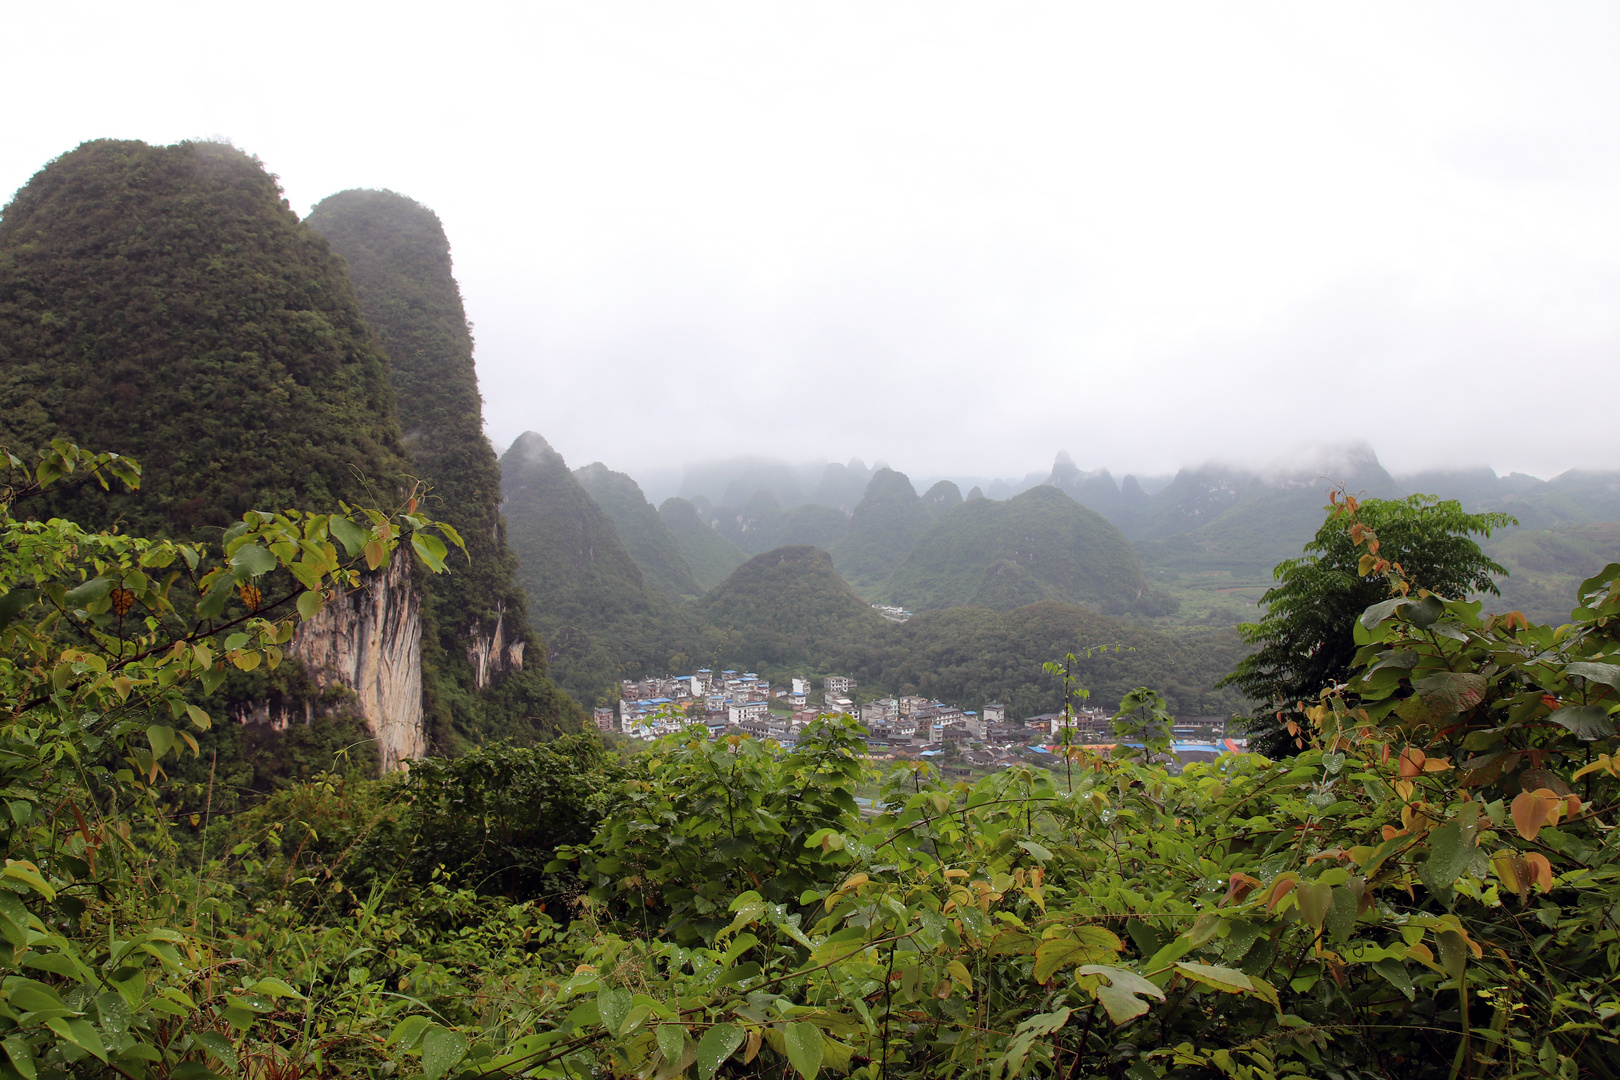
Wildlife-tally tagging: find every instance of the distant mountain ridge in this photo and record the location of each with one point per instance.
(1035, 546)
(645, 536)
(601, 619)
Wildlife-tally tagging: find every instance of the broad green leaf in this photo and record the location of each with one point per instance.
(15, 603)
(219, 1046)
(92, 590)
(1395, 973)
(58, 963)
(114, 1012)
(201, 719)
(430, 548)
(716, 1047)
(252, 560)
(1588, 722)
(1089, 945)
(308, 574)
(275, 988)
(309, 604)
(80, 1033)
(408, 1031)
(804, 1048)
(1607, 674)
(1315, 899)
(671, 1040)
(161, 736)
(1225, 979)
(1341, 916)
(351, 536)
(1037, 852)
(1122, 996)
(27, 873)
(441, 1049)
(613, 1006)
(1379, 612)
(22, 1058)
(1424, 612)
(1447, 693)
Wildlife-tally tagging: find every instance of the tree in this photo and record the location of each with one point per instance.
(1305, 640)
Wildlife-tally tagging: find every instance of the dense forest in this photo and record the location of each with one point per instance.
(1424, 888)
(163, 301)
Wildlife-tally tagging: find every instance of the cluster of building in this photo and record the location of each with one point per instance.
(740, 702)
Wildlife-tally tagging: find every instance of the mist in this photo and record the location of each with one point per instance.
(957, 238)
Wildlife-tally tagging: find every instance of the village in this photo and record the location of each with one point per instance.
(731, 702)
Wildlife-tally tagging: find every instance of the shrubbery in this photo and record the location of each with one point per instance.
(1428, 888)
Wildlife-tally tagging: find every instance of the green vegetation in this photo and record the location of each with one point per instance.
(601, 620)
(399, 260)
(1426, 890)
(710, 555)
(1065, 551)
(642, 532)
(889, 519)
(818, 526)
(1306, 639)
(969, 656)
(1545, 565)
(789, 607)
(940, 498)
(163, 302)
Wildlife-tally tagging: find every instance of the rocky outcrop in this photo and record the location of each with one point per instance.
(490, 654)
(369, 642)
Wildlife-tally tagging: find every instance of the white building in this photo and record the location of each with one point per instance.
(837, 684)
(748, 711)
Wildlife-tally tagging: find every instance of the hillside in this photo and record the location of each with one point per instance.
(163, 301)
(818, 526)
(709, 555)
(642, 532)
(940, 498)
(1545, 566)
(753, 525)
(1038, 545)
(587, 596)
(484, 676)
(970, 656)
(790, 607)
(889, 519)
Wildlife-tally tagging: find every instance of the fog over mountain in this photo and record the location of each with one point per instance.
(954, 238)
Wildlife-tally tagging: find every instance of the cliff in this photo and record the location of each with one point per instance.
(474, 619)
(370, 642)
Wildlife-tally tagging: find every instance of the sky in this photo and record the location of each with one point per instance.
(954, 237)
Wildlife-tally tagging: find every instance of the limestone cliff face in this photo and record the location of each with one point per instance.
(370, 642)
(490, 653)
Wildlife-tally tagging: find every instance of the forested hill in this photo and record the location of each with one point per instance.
(790, 607)
(889, 519)
(483, 674)
(642, 532)
(1038, 545)
(600, 618)
(163, 301)
(710, 555)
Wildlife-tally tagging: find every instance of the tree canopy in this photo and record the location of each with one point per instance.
(1305, 640)
(164, 302)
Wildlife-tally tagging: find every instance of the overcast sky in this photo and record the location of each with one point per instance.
(955, 237)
